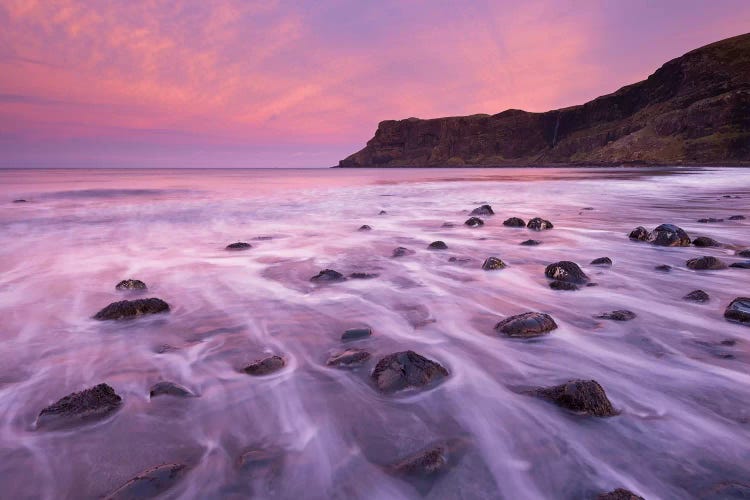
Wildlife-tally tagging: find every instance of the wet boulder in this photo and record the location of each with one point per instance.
(493, 263)
(128, 309)
(696, 296)
(407, 369)
(90, 404)
(531, 243)
(130, 284)
(364, 227)
(567, 271)
(639, 234)
(328, 276)
(619, 494)
(704, 263)
(348, 358)
(150, 483)
(741, 265)
(514, 222)
(437, 245)
(737, 217)
(563, 286)
(581, 396)
(738, 311)
(240, 245)
(664, 268)
(539, 224)
(401, 252)
(483, 210)
(165, 388)
(705, 241)
(356, 333)
(526, 325)
(474, 222)
(265, 366)
(602, 261)
(669, 235)
(619, 315)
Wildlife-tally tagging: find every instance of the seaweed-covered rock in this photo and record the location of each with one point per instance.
(356, 333)
(697, 296)
(328, 276)
(669, 235)
(240, 245)
(437, 245)
(483, 210)
(563, 286)
(265, 366)
(165, 388)
(539, 224)
(639, 234)
(364, 227)
(128, 309)
(514, 222)
(619, 315)
(619, 494)
(705, 241)
(348, 358)
(738, 311)
(87, 405)
(531, 243)
(567, 271)
(582, 396)
(602, 261)
(401, 252)
(402, 370)
(150, 483)
(493, 263)
(706, 262)
(130, 284)
(526, 325)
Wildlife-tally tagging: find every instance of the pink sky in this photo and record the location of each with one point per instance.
(236, 83)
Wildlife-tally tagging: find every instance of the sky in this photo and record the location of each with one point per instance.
(239, 83)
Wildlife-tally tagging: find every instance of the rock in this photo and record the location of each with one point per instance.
(262, 238)
(483, 210)
(619, 494)
(705, 241)
(744, 253)
(382, 212)
(128, 309)
(348, 358)
(260, 458)
(402, 370)
(150, 483)
(539, 224)
(639, 234)
(737, 217)
(265, 366)
(563, 285)
(705, 263)
(697, 296)
(356, 333)
(448, 224)
(514, 222)
(582, 396)
(567, 271)
(710, 220)
(169, 389)
(130, 284)
(663, 268)
(526, 325)
(437, 245)
(20, 200)
(363, 276)
(401, 251)
(364, 227)
(328, 276)
(620, 315)
(741, 265)
(669, 235)
(474, 222)
(90, 404)
(493, 263)
(459, 260)
(240, 245)
(531, 243)
(738, 311)
(602, 261)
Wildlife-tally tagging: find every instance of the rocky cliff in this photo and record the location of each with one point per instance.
(693, 110)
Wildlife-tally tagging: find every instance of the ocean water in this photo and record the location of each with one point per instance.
(677, 373)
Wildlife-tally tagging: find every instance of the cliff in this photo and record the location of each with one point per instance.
(693, 110)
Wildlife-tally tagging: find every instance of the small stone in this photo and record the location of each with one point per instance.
(602, 261)
(663, 268)
(709, 220)
(382, 212)
(348, 358)
(493, 263)
(705, 241)
(705, 263)
(265, 366)
(448, 224)
(514, 222)
(483, 210)
(619, 494)
(363, 276)
(20, 200)
(474, 222)
(401, 251)
(669, 235)
(169, 389)
(364, 227)
(738, 311)
(90, 404)
(437, 245)
(697, 296)
(582, 396)
(459, 260)
(639, 234)
(402, 370)
(531, 243)
(567, 271)
(356, 333)
(620, 315)
(744, 253)
(130, 284)
(328, 276)
(262, 238)
(128, 309)
(240, 245)
(526, 325)
(741, 265)
(737, 217)
(539, 224)
(150, 483)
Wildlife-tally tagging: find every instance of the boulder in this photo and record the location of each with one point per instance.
(705, 241)
(531, 243)
(169, 389)
(619, 315)
(128, 309)
(706, 262)
(364, 227)
(639, 234)
(744, 253)
(493, 263)
(483, 210)
(738, 311)
(619, 494)
(563, 285)
(567, 271)
(474, 222)
(348, 358)
(150, 483)
(90, 404)
(539, 224)
(265, 366)
(581, 396)
(401, 251)
(130, 284)
(514, 222)
(741, 265)
(328, 276)
(240, 245)
(602, 261)
(437, 245)
(697, 296)
(526, 325)
(669, 235)
(402, 370)
(356, 333)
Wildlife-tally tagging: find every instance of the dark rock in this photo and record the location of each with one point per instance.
(705, 241)
(328, 276)
(563, 285)
(531, 243)
(459, 260)
(150, 483)
(127, 309)
(697, 296)
(265, 366)
(602, 261)
(539, 224)
(90, 404)
(710, 220)
(20, 200)
(356, 333)
(363, 276)
(741, 265)
(583, 396)
(738, 311)
(493, 263)
(437, 245)
(639, 234)
(448, 224)
(483, 210)
(514, 222)
(364, 227)
(348, 358)
(406, 369)
(619, 494)
(663, 268)
(240, 245)
(382, 212)
(526, 325)
(130, 284)
(737, 217)
(705, 263)
(169, 389)
(620, 315)
(566, 271)
(474, 222)
(401, 251)
(744, 253)
(669, 235)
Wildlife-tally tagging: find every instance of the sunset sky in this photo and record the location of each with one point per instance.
(225, 83)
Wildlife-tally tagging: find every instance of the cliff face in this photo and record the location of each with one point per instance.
(693, 110)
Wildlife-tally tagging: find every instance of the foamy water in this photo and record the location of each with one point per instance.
(684, 422)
